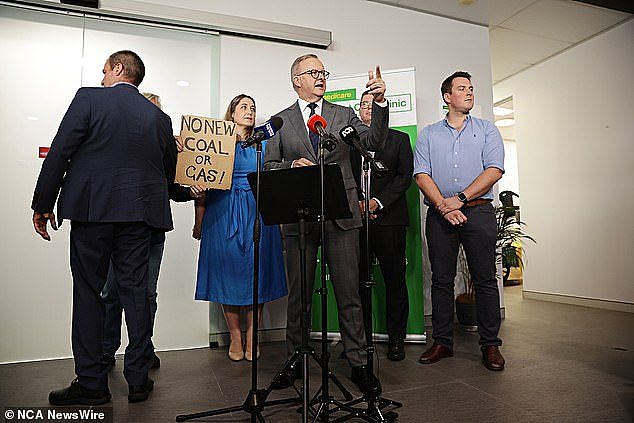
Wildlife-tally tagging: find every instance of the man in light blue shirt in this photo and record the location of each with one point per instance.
(456, 163)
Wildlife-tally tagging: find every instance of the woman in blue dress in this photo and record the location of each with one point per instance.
(224, 226)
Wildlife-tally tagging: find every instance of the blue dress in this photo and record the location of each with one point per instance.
(225, 262)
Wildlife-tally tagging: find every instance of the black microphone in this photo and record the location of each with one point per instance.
(264, 131)
(350, 136)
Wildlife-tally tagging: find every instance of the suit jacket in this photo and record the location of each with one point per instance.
(292, 142)
(390, 189)
(111, 160)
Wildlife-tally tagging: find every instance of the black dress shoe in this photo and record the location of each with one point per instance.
(108, 360)
(491, 358)
(286, 378)
(156, 362)
(76, 394)
(365, 380)
(138, 393)
(396, 349)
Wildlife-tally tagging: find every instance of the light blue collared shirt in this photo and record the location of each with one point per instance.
(454, 159)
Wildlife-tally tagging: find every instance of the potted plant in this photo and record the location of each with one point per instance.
(510, 237)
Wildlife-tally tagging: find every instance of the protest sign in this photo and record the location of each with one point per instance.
(208, 152)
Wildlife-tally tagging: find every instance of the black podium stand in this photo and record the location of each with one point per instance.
(294, 196)
(285, 191)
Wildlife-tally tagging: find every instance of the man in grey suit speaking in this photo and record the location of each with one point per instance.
(293, 146)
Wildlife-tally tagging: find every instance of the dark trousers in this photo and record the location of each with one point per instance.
(113, 307)
(477, 237)
(387, 244)
(92, 246)
(342, 257)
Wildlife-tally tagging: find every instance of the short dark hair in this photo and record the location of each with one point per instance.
(133, 67)
(366, 92)
(446, 85)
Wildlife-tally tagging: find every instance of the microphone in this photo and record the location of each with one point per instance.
(350, 136)
(317, 124)
(264, 131)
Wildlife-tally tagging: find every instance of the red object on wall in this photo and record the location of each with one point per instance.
(44, 151)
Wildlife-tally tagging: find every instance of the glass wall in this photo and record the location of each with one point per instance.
(46, 58)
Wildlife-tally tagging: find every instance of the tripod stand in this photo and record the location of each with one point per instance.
(255, 401)
(294, 196)
(325, 400)
(375, 403)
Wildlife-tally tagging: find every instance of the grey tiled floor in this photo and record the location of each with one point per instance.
(564, 364)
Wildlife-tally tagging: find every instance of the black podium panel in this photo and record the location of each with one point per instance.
(284, 191)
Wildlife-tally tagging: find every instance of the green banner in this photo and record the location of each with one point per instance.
(414, 270)
(341, 95)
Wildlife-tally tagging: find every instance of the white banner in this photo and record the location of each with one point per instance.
(400, 93)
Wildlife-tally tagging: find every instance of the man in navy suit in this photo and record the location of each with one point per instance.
(388, 225)
(112, 158)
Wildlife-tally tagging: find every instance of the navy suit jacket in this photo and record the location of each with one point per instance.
(112, 160)
(390, 189)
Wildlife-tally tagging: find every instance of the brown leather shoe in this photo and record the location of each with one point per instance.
(491, 358)
(435, 353)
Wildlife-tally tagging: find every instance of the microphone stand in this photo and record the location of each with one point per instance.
(325, 400)
(304, 352)
(256, 401)
(375, 403)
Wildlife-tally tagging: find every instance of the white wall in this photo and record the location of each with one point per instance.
(575, 156)
(510, 179)
(35, 304)
(364, 34)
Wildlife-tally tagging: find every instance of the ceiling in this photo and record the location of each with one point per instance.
(523, 33)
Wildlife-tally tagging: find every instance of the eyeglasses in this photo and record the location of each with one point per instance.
(316, 73)
(366, 104)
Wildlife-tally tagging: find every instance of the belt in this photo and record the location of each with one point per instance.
(477, 202)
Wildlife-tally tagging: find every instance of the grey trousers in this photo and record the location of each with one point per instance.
(342, 257)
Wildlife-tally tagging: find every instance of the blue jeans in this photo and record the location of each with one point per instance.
(113, 307)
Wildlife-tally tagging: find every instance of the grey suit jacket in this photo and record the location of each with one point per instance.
(292, 142)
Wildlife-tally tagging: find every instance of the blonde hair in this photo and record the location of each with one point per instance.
(154, 98)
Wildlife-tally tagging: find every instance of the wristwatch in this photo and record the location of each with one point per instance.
(462, 197)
